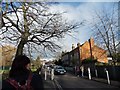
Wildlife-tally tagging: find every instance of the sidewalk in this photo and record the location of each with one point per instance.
(102, 80)
(48, 83)
(112, 82)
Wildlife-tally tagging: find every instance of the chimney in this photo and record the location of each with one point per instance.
(73, 47)
(78, 44)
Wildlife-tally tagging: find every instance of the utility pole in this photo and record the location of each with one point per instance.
(90, 49)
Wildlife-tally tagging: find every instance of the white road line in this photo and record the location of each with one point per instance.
(58, 85)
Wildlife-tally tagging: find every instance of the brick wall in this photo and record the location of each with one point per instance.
(85, 51)
(88, 51)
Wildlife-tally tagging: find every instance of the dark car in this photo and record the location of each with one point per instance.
(59, 70)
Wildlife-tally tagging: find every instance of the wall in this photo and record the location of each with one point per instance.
(85, 51)
(114, 72)
(88, 51)
(99, 54)
(74, 57)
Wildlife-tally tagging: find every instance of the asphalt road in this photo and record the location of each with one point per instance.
(0, 81)
(70, 81)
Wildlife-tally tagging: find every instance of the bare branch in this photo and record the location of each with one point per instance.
(36, 26)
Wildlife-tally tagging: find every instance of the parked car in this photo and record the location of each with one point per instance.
(59, 70)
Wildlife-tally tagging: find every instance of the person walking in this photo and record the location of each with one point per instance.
(20, 76)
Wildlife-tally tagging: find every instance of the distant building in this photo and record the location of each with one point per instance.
(65, 58)
(7, 53)
(110, 60)
(83, 52)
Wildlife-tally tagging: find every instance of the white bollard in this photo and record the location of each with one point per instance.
(9, 68)
(108, 79)
(39, 72)
(52, 74)
(89, 73)
(45, 74)
(82, 69)
(96, 73)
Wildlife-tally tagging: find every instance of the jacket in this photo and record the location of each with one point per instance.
(36, 82)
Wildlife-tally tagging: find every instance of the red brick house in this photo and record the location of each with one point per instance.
(83, 52)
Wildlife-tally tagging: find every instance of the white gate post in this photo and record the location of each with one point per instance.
(52, 74)
(45, 74)
(89, 73)
(82, 69)
(96, 73)
(108, 79)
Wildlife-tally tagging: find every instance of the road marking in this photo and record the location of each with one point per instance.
(58, 85)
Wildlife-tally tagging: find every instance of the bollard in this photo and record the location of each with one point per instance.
(39, 72)
(89, 73)
(52, 74)
(45, 74)
(108, 79)
(9, 68)
(96, 73)
(82, 69)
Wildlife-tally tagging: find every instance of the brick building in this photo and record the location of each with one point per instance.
(83, 52)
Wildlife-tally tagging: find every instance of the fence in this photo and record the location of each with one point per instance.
(114, 72)
(100, 71)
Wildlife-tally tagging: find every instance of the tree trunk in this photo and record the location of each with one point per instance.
(20, 47)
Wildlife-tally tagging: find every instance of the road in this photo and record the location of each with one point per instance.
(71, 81)
(0, 81)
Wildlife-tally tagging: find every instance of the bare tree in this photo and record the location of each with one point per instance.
(106, 30)
(32, 24)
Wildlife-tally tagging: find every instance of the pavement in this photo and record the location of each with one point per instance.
(48, 83)
(112, 82)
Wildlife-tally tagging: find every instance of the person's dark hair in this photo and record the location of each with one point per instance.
(19, 66)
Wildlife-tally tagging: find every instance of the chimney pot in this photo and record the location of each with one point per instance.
(73, 47)
(78, 44)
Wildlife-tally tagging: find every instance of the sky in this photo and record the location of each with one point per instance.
(66, 0)
(80, 11)
(77, 10)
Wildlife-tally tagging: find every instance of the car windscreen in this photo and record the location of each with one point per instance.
(59, 68)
